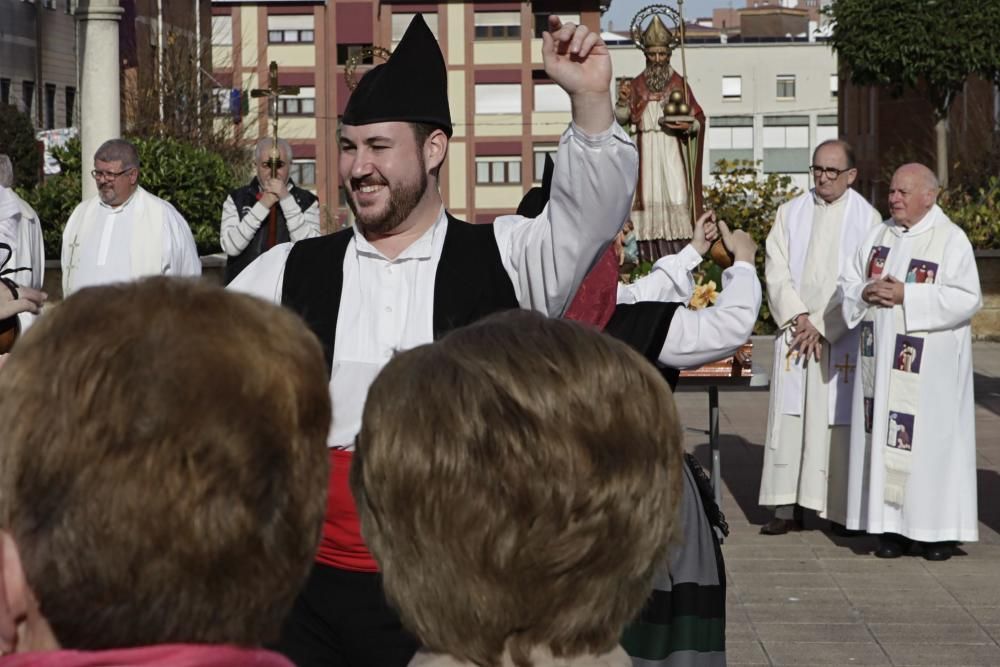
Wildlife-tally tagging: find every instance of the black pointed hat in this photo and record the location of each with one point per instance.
(411, 87)
(536, 198)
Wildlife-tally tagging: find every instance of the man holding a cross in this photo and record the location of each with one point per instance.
(815, 356)
(250, 212)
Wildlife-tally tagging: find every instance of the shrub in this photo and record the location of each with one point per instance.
(977, 212)
(749, 201)
(17, 140)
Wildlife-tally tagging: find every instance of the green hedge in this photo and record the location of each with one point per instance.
(977, 212)
(191, 178)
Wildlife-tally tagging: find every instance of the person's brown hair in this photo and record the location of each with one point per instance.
(518, 482)
(163, 470)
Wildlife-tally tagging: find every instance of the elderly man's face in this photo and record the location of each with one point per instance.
(912, 194)
(830, 173)
(115, 183)
(264, 167)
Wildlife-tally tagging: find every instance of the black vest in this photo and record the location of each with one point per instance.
(245, 198)
(643, 326)
(470, 282)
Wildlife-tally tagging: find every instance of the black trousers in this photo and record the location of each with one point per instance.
(341, 619)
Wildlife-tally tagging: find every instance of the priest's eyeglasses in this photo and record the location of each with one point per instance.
(108, 175)
(830, 172)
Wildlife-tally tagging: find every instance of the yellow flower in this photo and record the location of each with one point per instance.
(704, 295)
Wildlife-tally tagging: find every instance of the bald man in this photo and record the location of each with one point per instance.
(922, 494)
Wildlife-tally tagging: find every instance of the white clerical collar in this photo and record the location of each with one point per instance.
(922, 226)
(822, 202)
(422, 248)
(120, 207)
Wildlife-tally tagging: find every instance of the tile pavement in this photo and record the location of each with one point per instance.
(812, 598)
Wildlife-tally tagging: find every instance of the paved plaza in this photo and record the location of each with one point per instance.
(811, 598)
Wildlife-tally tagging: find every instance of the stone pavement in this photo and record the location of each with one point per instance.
(812, 598)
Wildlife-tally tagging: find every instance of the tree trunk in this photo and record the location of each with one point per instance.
(941, 131)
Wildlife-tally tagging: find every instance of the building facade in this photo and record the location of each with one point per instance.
(770, 102)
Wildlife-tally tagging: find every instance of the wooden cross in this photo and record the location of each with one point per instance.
(847, 367)
(272, 93)
(788, 359)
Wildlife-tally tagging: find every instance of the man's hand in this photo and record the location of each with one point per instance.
(885, 293)
(29, 301)
(578, 60)
(705, 233)
(739, 243)
(806, 339)
(274, 191)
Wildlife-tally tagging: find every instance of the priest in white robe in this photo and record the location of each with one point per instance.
(21, 230)
(813, 238)
(124, 233)
(913, 458)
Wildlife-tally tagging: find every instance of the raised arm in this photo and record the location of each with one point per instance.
(235, 232)
(301, 224)
(596, 170)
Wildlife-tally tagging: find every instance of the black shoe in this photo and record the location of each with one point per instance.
(841, 530)
(938, 550)
(778, 526)
(892, 546)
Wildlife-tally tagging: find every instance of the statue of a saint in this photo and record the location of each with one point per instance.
(668, 122)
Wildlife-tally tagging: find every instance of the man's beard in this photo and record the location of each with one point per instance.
(657, 75)
(403, 198)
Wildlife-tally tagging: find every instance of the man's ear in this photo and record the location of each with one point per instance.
(435, 149)
(14, 592)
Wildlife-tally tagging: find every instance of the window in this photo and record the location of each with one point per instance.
(540, 152)
(834, 85)
(69, 6)
(786, 87)
(302, 104)
(401, 21)
(786, 132)
(70, 105)
(290, 29)
(730, 133)
(49, 4)
(303, 172)
(550, 97)
(498, 170)
(50, 106)
(5, 91)
(222, 31)
(498, 25)
(347, 51)
(732, 87)
(542, 21)
(826, 127)
(27, 96)
(498, 98)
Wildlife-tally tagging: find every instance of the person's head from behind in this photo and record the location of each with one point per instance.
(116, 170)
(163, 469)
(394, 137)
(517, 482)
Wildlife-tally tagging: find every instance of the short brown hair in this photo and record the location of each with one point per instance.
(163, 469)
(118, 150)
(517, 482)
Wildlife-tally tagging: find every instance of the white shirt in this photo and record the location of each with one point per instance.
(697, 337)
(387, 304)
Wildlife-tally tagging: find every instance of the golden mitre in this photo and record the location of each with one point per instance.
(656, 34)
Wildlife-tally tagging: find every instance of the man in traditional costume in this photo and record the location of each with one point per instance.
(662, 208)
(124, 232)
(247, 213)
(927, 493)
(408, 272)
(813, 239)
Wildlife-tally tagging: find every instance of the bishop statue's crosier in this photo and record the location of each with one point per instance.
(668, 122)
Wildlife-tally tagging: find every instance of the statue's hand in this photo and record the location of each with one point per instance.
(683, 127)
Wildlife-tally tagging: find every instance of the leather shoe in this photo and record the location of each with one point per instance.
(778, 526)
(937, 550)
(889, 549)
